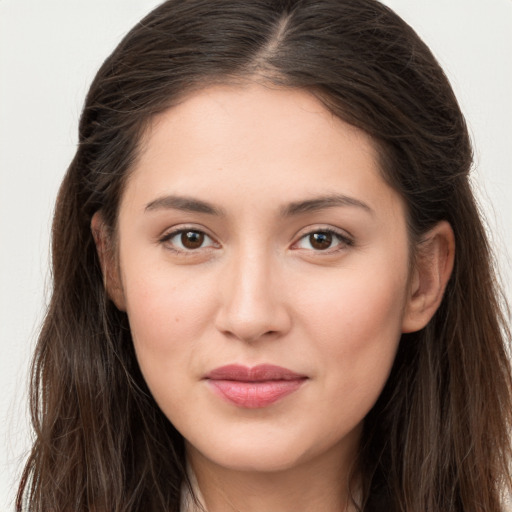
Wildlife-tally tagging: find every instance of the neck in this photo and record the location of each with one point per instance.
(321, 484)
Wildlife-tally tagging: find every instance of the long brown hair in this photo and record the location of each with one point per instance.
(437, 440)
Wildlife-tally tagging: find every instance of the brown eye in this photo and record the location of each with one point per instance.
(192, 239)
(187, 240)
(321, 240)
(326, 240)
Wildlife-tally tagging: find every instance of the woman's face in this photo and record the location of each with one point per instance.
(256, 229)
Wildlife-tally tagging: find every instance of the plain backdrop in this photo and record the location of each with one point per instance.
(49, 52)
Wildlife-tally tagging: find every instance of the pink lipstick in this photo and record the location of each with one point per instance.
(255, 387)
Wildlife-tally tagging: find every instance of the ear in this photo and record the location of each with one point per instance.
(109, 266)
(431, 272)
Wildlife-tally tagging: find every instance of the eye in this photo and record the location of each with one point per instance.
(323, 240)
(188, 240)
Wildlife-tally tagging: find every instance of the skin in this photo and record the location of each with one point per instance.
(273, 166)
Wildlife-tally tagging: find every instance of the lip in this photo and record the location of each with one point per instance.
(255, 387)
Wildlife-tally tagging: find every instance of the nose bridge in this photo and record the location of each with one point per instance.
(252, 302)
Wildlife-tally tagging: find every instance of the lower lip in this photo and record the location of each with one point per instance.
(254, 395)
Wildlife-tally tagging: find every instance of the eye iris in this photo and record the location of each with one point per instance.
(192, 239)
(320, 241)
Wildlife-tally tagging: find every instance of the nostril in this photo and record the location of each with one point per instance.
(251, 330)
(250, 336)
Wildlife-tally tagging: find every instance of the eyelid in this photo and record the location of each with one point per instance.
(170, 233)
(345, 238)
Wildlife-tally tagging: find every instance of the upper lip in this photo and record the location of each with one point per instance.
(259, 373)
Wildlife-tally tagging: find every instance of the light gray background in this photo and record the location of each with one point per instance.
(49, 52)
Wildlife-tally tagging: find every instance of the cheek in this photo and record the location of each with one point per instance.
(168, 312)
(357, 328)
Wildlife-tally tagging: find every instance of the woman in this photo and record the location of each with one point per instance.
(272, 288)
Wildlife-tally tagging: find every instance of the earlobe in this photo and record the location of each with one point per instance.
(108, 261)
(432, 270)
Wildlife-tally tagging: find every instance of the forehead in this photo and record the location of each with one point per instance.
(251, 141)
(253, 109)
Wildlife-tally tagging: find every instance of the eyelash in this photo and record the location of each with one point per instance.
(166, 239)
(344, 241)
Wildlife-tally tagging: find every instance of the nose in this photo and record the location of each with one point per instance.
(253, 300)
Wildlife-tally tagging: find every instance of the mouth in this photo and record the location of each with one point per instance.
(255, 387)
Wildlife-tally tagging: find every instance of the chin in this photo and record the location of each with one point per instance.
(244, 456)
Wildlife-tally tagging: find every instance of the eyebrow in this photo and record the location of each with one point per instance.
(321, 203)
(188, 204)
